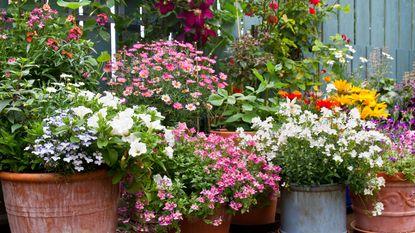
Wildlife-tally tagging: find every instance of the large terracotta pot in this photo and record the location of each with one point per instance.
(195, 225)
(51, 203)
(398, 198)
(259, 215)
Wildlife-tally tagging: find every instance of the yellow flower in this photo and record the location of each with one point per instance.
(343, 99)
(342, 86)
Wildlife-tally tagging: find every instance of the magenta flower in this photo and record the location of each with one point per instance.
(102, 19)
(164, 6)
(197, 15)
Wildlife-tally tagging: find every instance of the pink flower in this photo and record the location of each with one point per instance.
(217, 221)
(169, 206)
(176, 84)
(177, 106)
(164, 6)
(167, 76)
(102, 19)
(144, 73)
(191, 107)
(170, 67)
(235, 205)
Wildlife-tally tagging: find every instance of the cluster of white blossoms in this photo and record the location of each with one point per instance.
(122, 124)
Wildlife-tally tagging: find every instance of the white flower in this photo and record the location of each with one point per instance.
(377, 209)
(330, 87)
(87, 94)
(81, 111)
(51, 90)
(166, 98)
(330, 62)
(137, 148)
(169, 152)
(121, 126)
(342, 60)
(190, 107)
(354, 113)
(338, 54)
(63, 75)
(350, 168)
(363, 60)
(290, 108)
(92, 122)
(108, 100)
(169, 137)
(337, 158)
(162, 182)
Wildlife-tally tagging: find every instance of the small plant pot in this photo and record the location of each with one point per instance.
(51, 203)
(258, 215)
(193, 225)
(398, 198)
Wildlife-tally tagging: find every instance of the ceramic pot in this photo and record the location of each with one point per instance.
(51, 203)
(193, 225)
(262, 214)
(398, 198)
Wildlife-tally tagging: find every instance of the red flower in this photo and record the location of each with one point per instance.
(164, 6)
(329, 104)
(312, 10)
(231, 61)
(52, 43)
(272, 19)
(249, 13)
(236, 90)
(29, 37)
(314, 2)
(75, 33)
(273, 5)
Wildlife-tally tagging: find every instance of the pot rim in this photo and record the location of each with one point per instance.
(51, 177)
(316, 188)
(399, 176)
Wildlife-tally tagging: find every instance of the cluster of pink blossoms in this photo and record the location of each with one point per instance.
(38, 16)
(166, 74)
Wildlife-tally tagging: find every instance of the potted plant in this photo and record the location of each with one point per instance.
(320, 151)
(206, 179)
(391, 209)
(75, 156)
(172, 76)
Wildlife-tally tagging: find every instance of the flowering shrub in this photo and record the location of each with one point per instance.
(41, 45)
(330, 147)
(205, 173)
(172, 76)
(97, 130)
(365, 100)
(399, 157)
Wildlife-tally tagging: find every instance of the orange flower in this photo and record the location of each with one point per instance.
(70, 18)
(297, 94)
(46, 7)
(291, 96)
(327, 103)
(66, 53)
(283, 93)
(29, 36)
(327, 78)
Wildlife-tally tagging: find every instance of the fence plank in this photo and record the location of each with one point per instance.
(391, 24)
(346, 20)
(377, 23)
(405, 11)
(362, 9)
(361, 51)
(330, 26)
(413, 25)
(403, 63)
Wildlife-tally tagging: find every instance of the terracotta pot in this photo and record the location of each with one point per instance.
(258, 215)
(51, 203)
(195, 225)
(398, 198)
(3, 214)
(226, 134)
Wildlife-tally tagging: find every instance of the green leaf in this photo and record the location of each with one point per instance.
(258, 75)
(223, 92)
(16, 127)
(104, 57)
(234, 118)
(231, 100)
(102, 143)
(216, 100)
(104, 35)
(247, 107)
(73, 5)
(112, 156)
(3, 104)
(249, 116)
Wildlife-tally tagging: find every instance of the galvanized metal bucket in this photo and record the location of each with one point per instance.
(318, 209)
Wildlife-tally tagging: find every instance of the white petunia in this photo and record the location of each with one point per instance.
(121, 127)
(81, 111)
(169, 137)
(51, 90)
(108, 100)
(169, 152)
(330, 87)
(137, 148)
(87, 94)
(162, 182)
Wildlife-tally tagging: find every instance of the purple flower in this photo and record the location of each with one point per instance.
(164, 6)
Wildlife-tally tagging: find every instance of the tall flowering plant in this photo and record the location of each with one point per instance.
(41, 45)
(204, 174)
(172, 76)
(331, 146)
(98, 131)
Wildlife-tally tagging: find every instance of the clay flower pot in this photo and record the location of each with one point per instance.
(226, 134)
(258, 215)
(398, 198)
(193, 225)
(51, 203)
